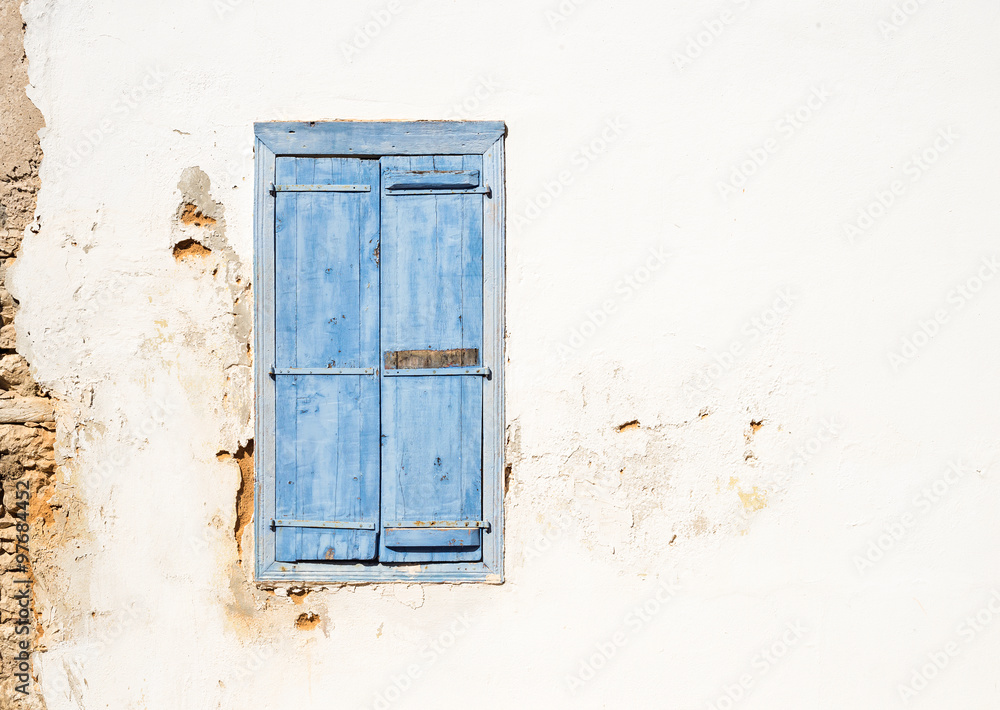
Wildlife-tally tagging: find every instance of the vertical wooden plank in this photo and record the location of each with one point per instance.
(494, 335)
(341, 473)
(264, 174)
(471, 220)
(345, 472)
(464, 279)
(322, 452)
(317, 430)
(285, 348)
(432, 425)
(367, 505)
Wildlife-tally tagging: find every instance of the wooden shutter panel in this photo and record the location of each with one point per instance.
(431, 328)
(326, 308)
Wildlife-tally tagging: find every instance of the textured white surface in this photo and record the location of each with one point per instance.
(630, 128)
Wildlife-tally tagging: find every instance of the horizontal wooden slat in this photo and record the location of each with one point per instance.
(432, 537)
(430, 179)
(411, 359)
(379, 138)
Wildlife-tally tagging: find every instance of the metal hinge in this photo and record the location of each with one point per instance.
(438, 524)
(437, 371)
(482, 190)
(321, 371)
(324, 524)
(411, 372)
(272, 188)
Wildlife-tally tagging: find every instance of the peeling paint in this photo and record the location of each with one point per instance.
(307, 621)
(633, 424)
(245, 493)
(188, 248)
(755, 499)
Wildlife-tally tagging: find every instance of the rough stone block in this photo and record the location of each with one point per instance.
(26, 409)
(15, 375)
(8, 337)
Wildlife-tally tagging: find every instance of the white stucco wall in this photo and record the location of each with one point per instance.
(654, 275)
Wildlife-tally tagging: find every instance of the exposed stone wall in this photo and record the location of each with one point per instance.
(711, 442)
(27, 427)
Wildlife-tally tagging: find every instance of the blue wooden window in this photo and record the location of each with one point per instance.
(379, 351)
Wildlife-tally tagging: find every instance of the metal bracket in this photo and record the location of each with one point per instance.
(482, 190)
(439, 525)
(321, 371)
(319, 188)
(324, 524)
(427, 372)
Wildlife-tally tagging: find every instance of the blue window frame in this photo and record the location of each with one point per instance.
(379, 263)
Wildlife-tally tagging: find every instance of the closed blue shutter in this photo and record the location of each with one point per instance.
(326, 309)
(431, 329)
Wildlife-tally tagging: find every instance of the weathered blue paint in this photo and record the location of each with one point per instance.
(327, 316)
(429, 179)
(432, 288)
(264, 326)
(329, 429)
(380, 137)
(413, 542)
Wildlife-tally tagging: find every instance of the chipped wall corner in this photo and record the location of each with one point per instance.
(31, 516)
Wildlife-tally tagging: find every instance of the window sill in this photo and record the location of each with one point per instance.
(458, 573)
